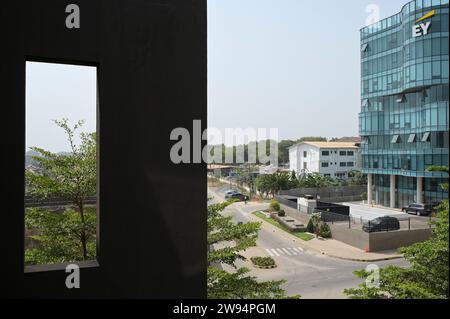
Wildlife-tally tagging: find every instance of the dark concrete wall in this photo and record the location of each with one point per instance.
(294, 213)
(379, 241)
(352, 237)
(393, 240)
(151, 59)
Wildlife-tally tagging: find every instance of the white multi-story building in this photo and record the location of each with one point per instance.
(332, 159)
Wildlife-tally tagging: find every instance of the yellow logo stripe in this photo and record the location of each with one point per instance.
(428, 15)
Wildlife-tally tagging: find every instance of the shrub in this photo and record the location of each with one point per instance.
(314, 222)
(282, 213)
(364, 196)
(264, 262)
(310, 227)
(274, 205)
(325, 231)
(316, 218)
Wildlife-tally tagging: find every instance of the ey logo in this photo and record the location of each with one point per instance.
(422, 28)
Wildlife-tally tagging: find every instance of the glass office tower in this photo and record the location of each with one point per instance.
(404, 104)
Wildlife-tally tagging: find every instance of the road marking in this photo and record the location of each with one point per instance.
(288, 251)
(275, 252)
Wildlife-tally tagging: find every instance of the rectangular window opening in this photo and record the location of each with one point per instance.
(61, 166)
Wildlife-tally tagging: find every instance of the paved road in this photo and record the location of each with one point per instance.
(307, 273)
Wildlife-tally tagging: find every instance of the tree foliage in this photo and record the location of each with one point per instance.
(273, 183)
(226, 241)
(283, 148)
(59, 236)
(72, 177)
(274, 205)
(315, 180)
(428, 274)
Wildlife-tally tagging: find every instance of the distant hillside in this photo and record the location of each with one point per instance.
(29, 157)
(349, 139)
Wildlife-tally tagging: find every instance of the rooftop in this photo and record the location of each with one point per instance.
(330, 144)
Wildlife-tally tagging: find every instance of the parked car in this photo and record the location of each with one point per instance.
(385, 223)
(419, 209)
(238, 196)
(230, 192)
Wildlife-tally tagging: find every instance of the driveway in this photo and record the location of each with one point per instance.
(366, 212)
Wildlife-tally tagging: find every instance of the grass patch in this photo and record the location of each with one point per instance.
(303, 236)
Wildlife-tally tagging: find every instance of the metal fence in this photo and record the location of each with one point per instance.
(380, 224)
(53, 202)
(345, 220)
(286, 201)
(337, 194)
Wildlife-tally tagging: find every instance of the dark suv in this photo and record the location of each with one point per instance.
(419, 209)
(385, 223)
(238, 196)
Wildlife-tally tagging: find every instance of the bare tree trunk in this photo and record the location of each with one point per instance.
(83, 232)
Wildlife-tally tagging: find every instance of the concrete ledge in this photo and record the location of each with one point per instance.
(362, 259)
(290, 223)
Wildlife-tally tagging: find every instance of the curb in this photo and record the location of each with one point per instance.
(264, 267)
(364, 260)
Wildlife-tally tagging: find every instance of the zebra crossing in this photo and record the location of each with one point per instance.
(289, 251)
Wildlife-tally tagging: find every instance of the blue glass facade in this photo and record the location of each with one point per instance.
(404, 115)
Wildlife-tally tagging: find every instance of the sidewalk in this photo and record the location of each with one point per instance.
(337, 249)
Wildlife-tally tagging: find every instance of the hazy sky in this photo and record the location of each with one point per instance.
(290, 64)
(53, 92)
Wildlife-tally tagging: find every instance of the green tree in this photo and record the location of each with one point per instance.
(71, 177)
(283, 150)
(263, 186)
(273, 183)
(315, 180)
(226, 241)
(293, 177)
(59, 236)
(428, 275)
(357, 178)
(274, 205)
